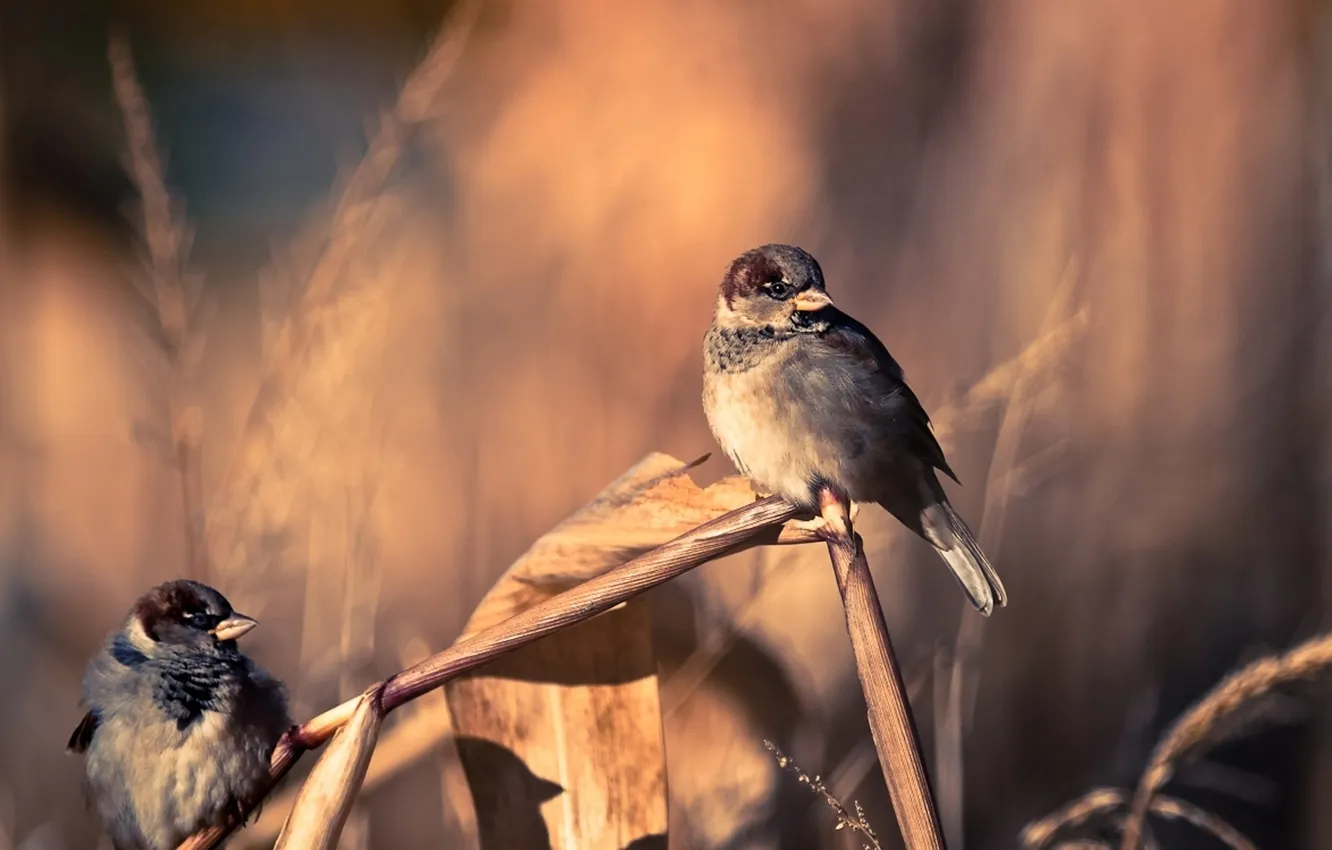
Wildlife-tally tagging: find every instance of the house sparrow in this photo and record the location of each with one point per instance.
(810, 406)
(180, 725)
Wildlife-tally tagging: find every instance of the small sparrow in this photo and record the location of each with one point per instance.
(810, 406)
(180, 725)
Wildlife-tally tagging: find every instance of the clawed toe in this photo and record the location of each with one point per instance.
(813, 526)
(235, 812)
(835, 512)
(834, 518)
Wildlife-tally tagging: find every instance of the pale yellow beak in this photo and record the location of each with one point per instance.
(233, 627)
(810, 300)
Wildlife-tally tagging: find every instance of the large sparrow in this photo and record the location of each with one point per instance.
(809, 404)
(180, 725)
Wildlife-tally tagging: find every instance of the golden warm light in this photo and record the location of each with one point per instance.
(444, 271)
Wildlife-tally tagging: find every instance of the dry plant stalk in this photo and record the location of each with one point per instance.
(890, 720)
(1093, 804)
(957, 684)
(1171, 808)
(1194, 729)
(418, 94)
(1101, 802)
(995, 388)
(247, 506)
(1202, 724)
(165, 238)
(857, 823)
(595, 596)
(327, 797)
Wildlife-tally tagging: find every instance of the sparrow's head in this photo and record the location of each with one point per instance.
(185, 614)
(777, 286)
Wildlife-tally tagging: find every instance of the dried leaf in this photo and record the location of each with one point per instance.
(652, 503)
(328, 794)
(649, 504)
(568, 730)
(605, 681)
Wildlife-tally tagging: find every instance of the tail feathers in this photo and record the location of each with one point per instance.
(949, 534)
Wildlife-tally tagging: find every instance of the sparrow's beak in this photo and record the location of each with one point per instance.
(811, 300)
(233, 627)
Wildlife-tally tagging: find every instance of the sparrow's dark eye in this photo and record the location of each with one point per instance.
(777, 289)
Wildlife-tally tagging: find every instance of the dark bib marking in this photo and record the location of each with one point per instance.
(124, 652)
(738, 349)
(187, 687)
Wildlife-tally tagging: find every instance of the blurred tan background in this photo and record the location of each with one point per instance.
(520, 320)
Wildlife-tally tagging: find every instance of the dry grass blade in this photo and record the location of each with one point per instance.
(1194, 729)
(165, 238)
(704, 543)
(959, 682)
(420, 90)
(249, 507)
(1175, 809)
(326, 798)
(994, 389)
(1101, 802)
(160, 231)
(1093, 804)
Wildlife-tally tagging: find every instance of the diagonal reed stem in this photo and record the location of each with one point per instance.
(756, 523)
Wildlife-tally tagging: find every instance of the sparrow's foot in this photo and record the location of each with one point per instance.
(815, 526)
(836, 512)
(834, 518)
(235, 812)
(291, 738)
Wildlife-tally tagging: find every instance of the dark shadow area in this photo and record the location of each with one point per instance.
(749, 680)
(508, 797)
(648, 842)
